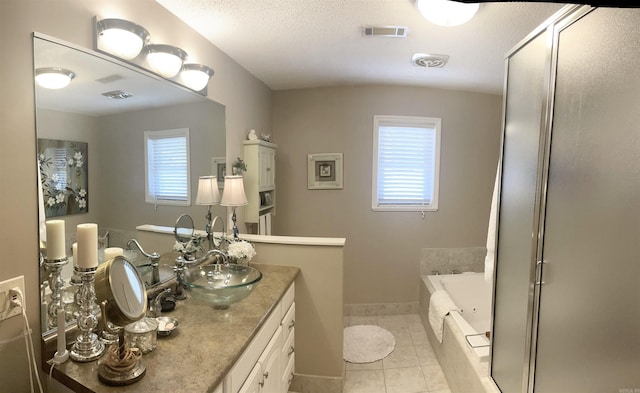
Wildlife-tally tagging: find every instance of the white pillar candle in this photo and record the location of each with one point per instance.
(74, 248)
(55, 239)
(87, 245)
(62, 340)
(112, 252)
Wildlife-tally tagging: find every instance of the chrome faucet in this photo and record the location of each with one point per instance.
(215, 251)
(154, 261)
(155, 307)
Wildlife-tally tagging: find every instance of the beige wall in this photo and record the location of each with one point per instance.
(382, 252)
(122, 165)
(247, 102)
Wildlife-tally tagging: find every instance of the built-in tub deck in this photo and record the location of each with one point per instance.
(464, 351)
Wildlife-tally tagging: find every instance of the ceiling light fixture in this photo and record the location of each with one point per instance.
(447, 13)
(166, 60)
(121, 37)
(54, 77)
(196, 76)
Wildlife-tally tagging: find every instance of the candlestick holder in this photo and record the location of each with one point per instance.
(87, 346)
(54, 267)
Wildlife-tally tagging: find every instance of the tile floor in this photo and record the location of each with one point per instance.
(411, 368)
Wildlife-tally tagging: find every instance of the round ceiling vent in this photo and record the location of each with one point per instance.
(429, 61)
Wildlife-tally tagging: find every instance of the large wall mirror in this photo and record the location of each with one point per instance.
(113, 131)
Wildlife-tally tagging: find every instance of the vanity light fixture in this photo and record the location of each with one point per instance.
(166, 60)
(54, 77)
(196, 76)
(233, 196)
(121, 37)
(208, 195)
(447, 13)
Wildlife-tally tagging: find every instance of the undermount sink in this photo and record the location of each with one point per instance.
(220, 285)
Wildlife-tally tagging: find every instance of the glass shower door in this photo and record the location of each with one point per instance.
(589, 316)
(515, 254)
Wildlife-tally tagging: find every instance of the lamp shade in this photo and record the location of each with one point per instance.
(233, 193)
(207, 191)
(54, 77)
(447, 13)
(166, 60)
(121, 38)
(196, 76)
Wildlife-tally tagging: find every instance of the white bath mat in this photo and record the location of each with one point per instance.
(367, 343)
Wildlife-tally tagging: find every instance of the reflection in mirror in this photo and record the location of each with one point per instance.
(183, 231)
(113, 128)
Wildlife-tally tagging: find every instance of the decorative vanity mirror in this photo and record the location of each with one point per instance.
(123, 300)
(184, 229)
(99, 120)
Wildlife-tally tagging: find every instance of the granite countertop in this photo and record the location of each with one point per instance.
(204, 347)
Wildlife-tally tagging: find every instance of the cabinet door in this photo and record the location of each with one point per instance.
(252, 383)
(270, 362)
(267, 159)
(589, 323)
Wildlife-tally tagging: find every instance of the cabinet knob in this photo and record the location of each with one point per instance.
(266, 374)
(291, 351)
(292, 324)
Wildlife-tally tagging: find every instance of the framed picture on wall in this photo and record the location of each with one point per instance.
(64, 177)
(324, 171)
(219, 169)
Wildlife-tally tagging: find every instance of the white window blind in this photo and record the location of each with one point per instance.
(167, 167)
(406, 163)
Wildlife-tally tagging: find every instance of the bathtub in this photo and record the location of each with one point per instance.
(464, 351)
(472, 296)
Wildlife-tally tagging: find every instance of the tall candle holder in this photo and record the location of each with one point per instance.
(87, 346)
(54, 267)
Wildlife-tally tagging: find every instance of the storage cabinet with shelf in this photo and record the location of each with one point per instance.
(259, 179)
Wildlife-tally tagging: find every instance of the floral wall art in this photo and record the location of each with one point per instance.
(63, 171)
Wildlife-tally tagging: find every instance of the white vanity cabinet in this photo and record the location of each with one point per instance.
(259, 179)
(261, 367)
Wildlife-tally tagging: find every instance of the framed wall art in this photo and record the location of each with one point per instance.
(64, 176)
(219, 169)
(324, 171)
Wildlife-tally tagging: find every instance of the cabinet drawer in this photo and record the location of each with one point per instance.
(287, 299)
(288, 350)
(287, 375)
(289, 322)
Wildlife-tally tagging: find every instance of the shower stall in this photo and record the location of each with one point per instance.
(567, 275)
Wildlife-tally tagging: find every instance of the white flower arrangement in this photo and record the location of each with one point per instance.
(241, 249)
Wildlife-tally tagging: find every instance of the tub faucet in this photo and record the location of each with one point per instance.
(154, 261)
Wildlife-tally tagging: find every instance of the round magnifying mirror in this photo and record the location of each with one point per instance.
(119, 284)
(184, 229)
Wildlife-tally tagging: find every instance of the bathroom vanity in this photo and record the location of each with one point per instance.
(245, 348)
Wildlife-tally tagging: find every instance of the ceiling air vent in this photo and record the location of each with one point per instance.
(110, 79)
(117, 94)
(385, 31)
(429, 61)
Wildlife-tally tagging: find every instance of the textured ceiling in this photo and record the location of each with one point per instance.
(291, 44)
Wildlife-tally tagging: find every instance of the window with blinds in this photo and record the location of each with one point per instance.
(406, 161)
(167, 167)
